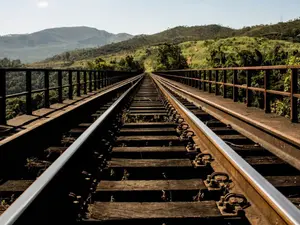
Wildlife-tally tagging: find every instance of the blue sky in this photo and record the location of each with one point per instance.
(140, 16)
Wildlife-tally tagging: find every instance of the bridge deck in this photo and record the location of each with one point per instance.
(274, 123)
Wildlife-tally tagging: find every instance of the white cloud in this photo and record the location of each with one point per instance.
(42, 4)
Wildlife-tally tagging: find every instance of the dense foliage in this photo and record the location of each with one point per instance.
(124, 64)
(10, 63)
(169, 57)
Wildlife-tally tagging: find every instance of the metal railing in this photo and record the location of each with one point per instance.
(218, 77)
(84, 81)
(35, 191)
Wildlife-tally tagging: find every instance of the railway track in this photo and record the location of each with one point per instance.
(148, 158)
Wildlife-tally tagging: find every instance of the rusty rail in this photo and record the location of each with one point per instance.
(202, 79)
(84, 80)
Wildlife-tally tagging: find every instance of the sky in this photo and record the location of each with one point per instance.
(140, 16)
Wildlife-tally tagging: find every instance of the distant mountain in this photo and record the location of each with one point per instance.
(49, 42)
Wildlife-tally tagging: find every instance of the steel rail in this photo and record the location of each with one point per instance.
(11, 215)
(280, 204)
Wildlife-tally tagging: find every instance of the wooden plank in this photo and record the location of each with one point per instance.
(147, 103)
(224, 130)
(198, 112)
(233, 137)
(148, 114)
(148, 138)
(284, 181)
(244, 148)
(147, 130)
(214, 123)
(86, 125)
(138, 104)
(150, 149)
(147, 111)
(56, 149)
(77, 131)
(295, 201)
(115, 162)
(264, 160)
(146, 108)
(15, 186)
(2, 209)
(153, 124)
(153, 98)
(151, 185)
(104, 211)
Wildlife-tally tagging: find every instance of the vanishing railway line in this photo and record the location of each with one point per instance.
(144, 155)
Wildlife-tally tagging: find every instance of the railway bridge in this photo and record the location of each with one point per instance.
(170, 147)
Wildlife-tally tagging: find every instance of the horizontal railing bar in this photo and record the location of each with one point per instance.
(53, 88)
(296, 95)
(283, 93)
(17, 94)
(38, 90)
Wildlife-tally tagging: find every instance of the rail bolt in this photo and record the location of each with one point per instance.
(187, 135)
(217, 181)
(202, 159)
(233, 204)
(181, 127)
(192, 148)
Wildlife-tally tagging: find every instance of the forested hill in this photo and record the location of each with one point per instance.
(284, 31)
(49, 42)
(175, 35)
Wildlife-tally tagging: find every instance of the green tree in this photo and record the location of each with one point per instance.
(170, 57)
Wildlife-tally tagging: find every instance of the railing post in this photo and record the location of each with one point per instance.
(99, 83)
(70, 85)
(95, 80)
(204, 80)
(200, 82)
(217, 80)
(84, 84)
(235, 92)
(105, 79)
(2, 97)
(266, 94)
(193, 81)
(60, 88)
(46, 84)
(101, 79)
(224, 83)
(90, 82)
(209, 78)
(28, 93)
(78, 84)
(248, 91)
(196, 82)
(294, 100)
